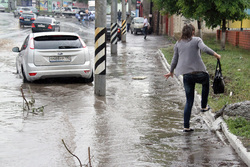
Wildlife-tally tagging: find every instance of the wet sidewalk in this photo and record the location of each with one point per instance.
(151, 112)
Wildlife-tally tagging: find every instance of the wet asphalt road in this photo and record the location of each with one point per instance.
(137, 123)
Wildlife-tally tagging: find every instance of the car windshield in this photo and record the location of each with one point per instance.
(139, 20)
(57, 42)
(43, 20)
(26, 9)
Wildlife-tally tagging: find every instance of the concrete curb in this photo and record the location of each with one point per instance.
(217, 124)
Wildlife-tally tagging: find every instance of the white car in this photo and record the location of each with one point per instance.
(52, 55)
(75, 9)
(2, 8)
(136, 25)
(21, 10)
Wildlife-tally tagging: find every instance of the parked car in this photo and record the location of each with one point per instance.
(75, 9)
(20, 10)
(136, 25)
(53, 55)
(108, 36)
(27, 19)
(34, 10)
(108, 28)
(2, 8)
(43, 24)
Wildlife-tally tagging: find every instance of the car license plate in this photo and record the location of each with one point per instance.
(26, 19)
(40, 25)
(60, 59)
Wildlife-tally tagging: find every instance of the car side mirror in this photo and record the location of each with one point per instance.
(15, 49)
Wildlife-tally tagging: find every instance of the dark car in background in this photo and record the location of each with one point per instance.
(108, 28)
(26, 19)
(45, 24)
(21, 10)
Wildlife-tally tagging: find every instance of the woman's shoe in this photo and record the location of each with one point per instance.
(206, 109)
(188, 130)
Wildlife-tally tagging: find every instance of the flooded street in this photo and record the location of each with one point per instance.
(137, 124)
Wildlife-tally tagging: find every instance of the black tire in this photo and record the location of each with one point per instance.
(24, 77)
(131, 31)
(135, 32)
(91, 79)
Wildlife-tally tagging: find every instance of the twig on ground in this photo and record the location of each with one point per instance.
(72, 153)
(27, 104)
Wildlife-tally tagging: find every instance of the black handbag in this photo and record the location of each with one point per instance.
(218, 84)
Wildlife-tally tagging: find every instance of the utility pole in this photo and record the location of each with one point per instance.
(124, 22)
(129, 7)
(100, 48)
(113, 27)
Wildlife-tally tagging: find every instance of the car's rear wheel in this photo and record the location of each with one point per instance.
(131, 31)
(91, 79)
(24, 77)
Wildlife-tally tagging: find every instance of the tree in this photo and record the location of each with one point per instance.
(214, 12)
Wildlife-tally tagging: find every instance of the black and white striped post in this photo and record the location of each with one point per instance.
(100, 48)
(113, 33)
(114, 27)
(124, 22)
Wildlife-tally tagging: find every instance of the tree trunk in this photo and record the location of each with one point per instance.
(199, 28)
(223, 38)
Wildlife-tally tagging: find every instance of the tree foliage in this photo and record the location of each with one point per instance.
(212, 11)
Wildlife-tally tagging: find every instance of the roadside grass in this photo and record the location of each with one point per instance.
(236, 73)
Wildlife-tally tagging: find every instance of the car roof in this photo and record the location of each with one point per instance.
(52, 33)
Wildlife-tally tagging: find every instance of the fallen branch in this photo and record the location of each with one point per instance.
(27, 104)
(72, 153)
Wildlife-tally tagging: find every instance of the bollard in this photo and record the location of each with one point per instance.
(113, 27)
(100, 61)
(113, 33)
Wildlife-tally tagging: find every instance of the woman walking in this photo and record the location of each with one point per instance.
(187, 62)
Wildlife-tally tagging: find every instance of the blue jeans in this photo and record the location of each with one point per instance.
(189, 81)
(128, 27)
